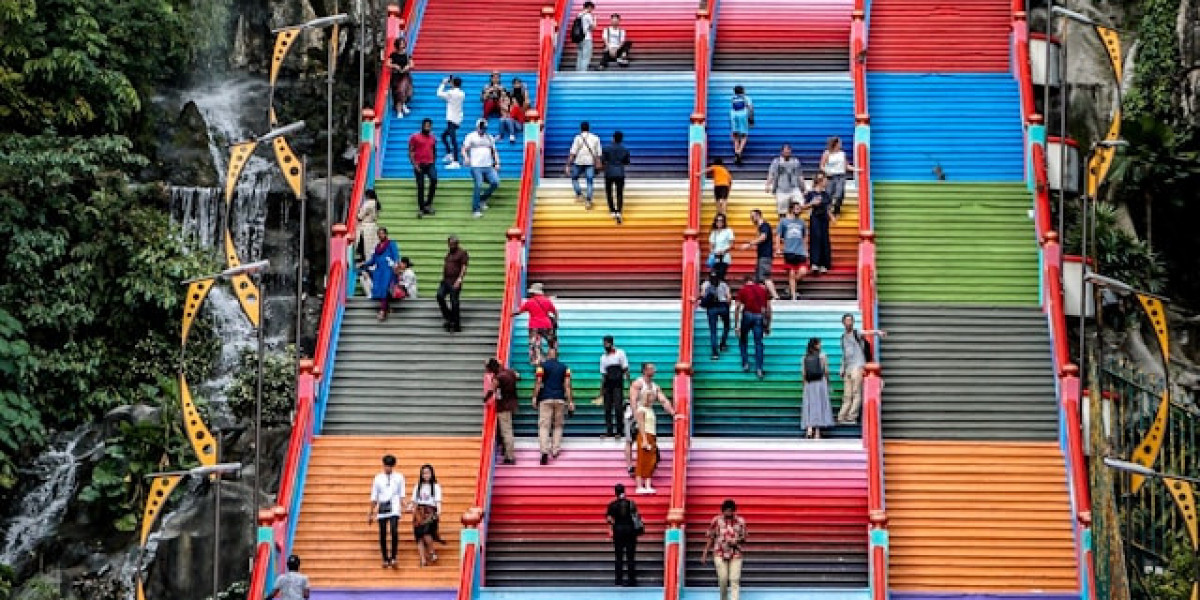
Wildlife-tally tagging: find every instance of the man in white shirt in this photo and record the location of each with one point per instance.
(387, 492)
(588, 21)
(583, 160)
(616, 47)
(479, 152)
(454, 115)
(614, 368)
(785, 180)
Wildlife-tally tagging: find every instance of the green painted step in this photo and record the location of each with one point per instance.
(424, 240)
(731, 403)
(956, 243)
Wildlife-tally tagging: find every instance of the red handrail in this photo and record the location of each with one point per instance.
(1041, 207)
(1020, 37)
(259, 575)
(361, 170)
(858, 56)
(397, 23)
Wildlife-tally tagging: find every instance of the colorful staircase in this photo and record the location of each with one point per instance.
(654, 119)
(446, 24)
(584, 254)
(662, 33)
(340, 549)
(426, 104)
(977, 488)
(804, 505)
(547, 523)
(803, 36)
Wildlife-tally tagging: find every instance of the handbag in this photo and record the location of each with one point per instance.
(385, 508)
(639, 525)
(712, 260)
(398, 291)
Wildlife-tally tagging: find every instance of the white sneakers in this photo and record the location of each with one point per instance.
(449, 158)
(454, 165)
(646, 490)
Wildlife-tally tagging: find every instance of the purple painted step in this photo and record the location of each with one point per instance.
(966, 596)
(413, 594)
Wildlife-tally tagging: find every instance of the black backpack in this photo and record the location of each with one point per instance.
(710, 299)
(868, 355)
(577, 32)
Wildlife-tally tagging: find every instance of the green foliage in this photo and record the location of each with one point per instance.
(20, 423)
(1157, 72)
(80, 67)
(6, 581)
(1120, 255)
(1178, 575)
(279, 386)
(236, 591)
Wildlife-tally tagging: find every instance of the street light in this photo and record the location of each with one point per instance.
(218, 469)
(253, 268)
(1089, 204)
(1072, 15)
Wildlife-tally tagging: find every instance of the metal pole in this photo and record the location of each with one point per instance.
(1046, 68)
(1064, 94)
(329, 218)
(362, 52)
(216, 575)
(300, 260)
(258, 392)
(1083, 257)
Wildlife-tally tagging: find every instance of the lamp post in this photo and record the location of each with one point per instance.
(219, 470)
(254, 268)
(1136, 469)
(1088, 203)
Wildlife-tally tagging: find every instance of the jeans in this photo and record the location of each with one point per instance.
(450, 139)
(483, 175)
(420, 173)
(384, 524)
(614, 420)
(625, 554)
(578, 171)
(752, 322)
(718, 312)
(729, 576)
(837, 191)
(450, 312)
(585, 55)
(509, 127)
(550, 425)
(622, 54)
(619, 184)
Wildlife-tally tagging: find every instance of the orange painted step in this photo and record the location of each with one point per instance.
(839, 284)
(340, 549)
(966, 516)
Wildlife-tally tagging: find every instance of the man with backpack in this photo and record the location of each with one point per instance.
(627, 525)
(714, 299)
(856, 352)
(581, 35)
(741, 118)
(585, 156)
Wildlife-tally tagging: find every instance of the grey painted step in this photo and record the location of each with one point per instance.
(407, 375)
(967, 372)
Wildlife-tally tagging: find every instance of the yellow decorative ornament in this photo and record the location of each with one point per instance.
(1102, 158)
(283, 42)
(160, 490)
(289, 164)
(203, 443)
(196, 293)
(1146, 452)
(247, 292)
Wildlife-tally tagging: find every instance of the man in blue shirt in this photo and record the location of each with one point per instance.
(793, 240)
(551, 394)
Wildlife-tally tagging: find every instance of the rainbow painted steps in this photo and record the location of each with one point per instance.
(340, 549)
(730, 403)
(547, 526)
(662, 33)
(579, 253)
(426, 104)
(424, 240)
(646, 333)
(965, 516)
(805, 505)
(956, 243)
(840, 283)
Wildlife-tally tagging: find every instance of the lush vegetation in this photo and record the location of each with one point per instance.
(91, 287)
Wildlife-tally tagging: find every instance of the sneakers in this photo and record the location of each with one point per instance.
(508, 461)
(761, 374)
(646, 490)
(545, 459)
(449, 158)
(477, 215)
(716, 356)
(400, 113)
(619, 218)
(454, 165)
(483, 205)
(579, 197)
(587, 204)
(512, 139)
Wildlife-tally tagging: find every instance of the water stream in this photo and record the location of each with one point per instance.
(42, 507)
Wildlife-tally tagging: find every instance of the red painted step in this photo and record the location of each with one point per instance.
(511, 27)
(937, 36)
(663, 33)
(787, 35)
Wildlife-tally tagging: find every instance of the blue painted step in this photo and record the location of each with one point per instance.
(801, 109)
(426, 104)
(652, 109)
(645, 334)
(966, 124)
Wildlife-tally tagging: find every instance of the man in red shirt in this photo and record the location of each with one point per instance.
(752, 313)
(422, 147)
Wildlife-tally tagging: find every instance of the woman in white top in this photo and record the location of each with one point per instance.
(642, 394)
(368, 228)
(426, 506)
(720, 243)
(387, 491)
(835, 167)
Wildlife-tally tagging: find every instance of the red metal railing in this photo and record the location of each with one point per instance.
(1020, 54)
(867, 300)
(397, 25)
(471, 569)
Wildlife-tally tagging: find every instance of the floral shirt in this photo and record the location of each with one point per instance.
(728, 536)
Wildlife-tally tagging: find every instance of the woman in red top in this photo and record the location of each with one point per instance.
(543, 322)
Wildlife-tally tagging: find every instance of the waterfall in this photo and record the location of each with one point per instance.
(41, 509)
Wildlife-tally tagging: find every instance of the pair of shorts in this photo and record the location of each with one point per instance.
(739, 122)
(795, 260)
(784, 200)
(721, 192)
(762, 269)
